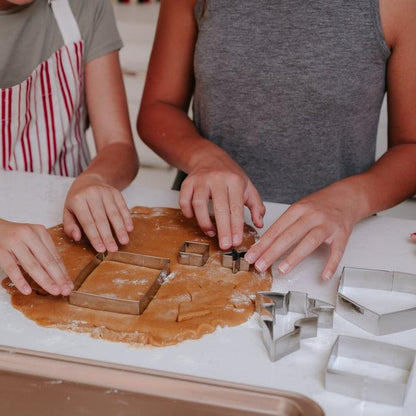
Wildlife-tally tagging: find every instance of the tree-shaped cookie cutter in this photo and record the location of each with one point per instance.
(364, 317)
(110, 304)
(234, 260)
(270, 304)
(193, 253)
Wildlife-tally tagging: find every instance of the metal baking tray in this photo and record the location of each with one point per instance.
(58, 385)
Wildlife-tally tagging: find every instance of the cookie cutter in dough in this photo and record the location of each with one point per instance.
(389, 382)
(364, 317)
(270, 304)
(234, 260)
(193, 253)
(106, 303)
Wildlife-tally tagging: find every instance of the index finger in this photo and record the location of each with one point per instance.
(236, 203)
(267, 239)
(222, 215)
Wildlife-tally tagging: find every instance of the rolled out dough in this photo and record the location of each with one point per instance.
(191, 303)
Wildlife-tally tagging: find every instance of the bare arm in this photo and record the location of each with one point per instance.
(164, 125)
(94, 201)
(328, 216)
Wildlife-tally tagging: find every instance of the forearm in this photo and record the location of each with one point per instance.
(170, 133)
(116, 164)
(388, 182)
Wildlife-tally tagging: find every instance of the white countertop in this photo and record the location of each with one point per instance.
(230, 354)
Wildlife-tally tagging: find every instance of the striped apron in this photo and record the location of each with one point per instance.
(43, 119)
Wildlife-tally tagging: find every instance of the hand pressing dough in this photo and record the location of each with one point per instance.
(191, 303)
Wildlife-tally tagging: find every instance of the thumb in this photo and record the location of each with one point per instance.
(71, 227)
(255, 204)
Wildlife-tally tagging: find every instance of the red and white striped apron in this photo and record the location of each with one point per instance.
(43, 119)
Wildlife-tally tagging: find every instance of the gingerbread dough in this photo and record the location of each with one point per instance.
(192, 302)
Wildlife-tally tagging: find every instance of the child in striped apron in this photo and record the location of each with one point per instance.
(59, 58)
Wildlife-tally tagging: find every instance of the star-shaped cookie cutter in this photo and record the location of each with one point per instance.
(234, 260)
(270, 304)
(363, 316)
(193, 253)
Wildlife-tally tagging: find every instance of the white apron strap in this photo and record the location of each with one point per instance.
(66, 21)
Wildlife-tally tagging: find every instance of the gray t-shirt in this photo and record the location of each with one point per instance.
(291, 89)
(30, 35)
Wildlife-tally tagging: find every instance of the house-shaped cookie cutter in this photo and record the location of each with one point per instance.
(364, 317)
(387, 388)
(110, 304)
(193, 253)
(270, 304)
(234, 260)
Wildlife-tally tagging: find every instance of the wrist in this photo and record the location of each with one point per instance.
(206, 154)
(87, 178)
(355, 197)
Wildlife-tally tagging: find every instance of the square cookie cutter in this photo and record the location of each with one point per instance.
(193, 253)
(269, 304)
(234, 260)
(105, 303)
(364, 317)
(390, 390)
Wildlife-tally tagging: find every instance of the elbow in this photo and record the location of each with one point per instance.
(135, 164)
(141, 124)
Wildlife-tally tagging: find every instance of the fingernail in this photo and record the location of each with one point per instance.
(211, 233)
(55, 289)
(69, 285)
(237, 240)
(112, 247)
(328, 275)
(124, 239)
(284, 267)
(249, 258)
(225, 242)
(261, 266)
(26, 290)
(100, 248)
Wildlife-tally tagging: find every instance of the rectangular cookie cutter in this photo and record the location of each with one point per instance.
(364, 317)
(234, 260)
(383, 388)
(193, 253)
(105, 303)
(269, 304)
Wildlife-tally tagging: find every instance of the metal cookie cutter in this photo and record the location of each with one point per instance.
(364, 317)
(391, 367)
(193, 253)
(106, 303)
(269, 304)
(234, 260)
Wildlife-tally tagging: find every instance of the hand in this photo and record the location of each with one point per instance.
(219, 178)
(326, 216)
(32, 247)
(96, 207)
